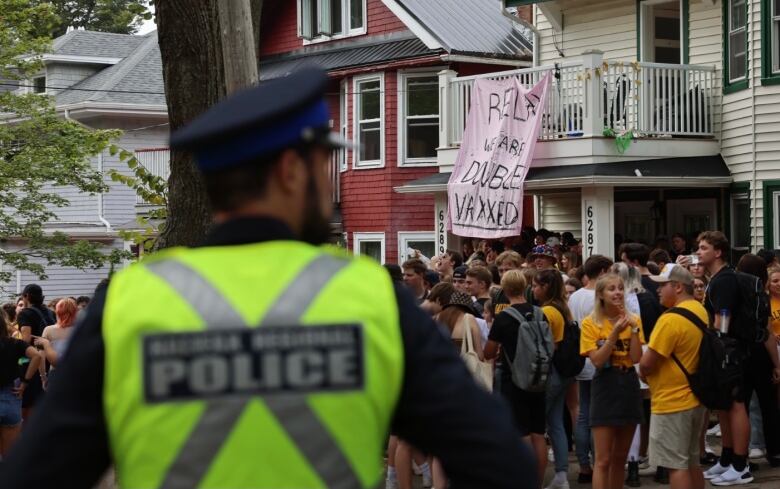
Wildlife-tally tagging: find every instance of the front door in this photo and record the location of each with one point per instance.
(691, 216)
(661, 32)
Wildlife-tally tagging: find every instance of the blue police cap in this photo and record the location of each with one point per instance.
(261, 120)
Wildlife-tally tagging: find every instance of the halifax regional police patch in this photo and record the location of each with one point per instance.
(252, 362)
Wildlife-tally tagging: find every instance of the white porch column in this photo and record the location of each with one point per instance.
(598, 221)
(440, 208)
(445, 107)
(593, 119)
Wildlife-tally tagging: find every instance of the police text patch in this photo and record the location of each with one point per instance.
(265, 360)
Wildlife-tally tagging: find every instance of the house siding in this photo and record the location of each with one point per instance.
(369, 203)
(560, 212)
(586, 27)
(66, 75)
(280, 30)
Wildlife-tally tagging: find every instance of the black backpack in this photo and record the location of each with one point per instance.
(716, 381)
(567, 359)
(751, 318)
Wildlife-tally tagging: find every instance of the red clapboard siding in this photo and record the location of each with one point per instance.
(279, 30)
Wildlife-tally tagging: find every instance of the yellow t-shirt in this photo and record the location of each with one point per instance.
(592, 333)
(775, 317)
(673, 333)
(555, 318)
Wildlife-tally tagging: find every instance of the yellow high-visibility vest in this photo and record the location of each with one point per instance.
(266, 365)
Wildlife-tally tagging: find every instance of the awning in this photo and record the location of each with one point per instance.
(698, 171)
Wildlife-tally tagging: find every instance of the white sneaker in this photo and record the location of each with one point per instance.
(649, 470)
(755, 453)
(644, 463)
(558, 484)
(716, 471)
(733, 478)
(714, 431)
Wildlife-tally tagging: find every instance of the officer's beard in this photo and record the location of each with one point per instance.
(315, 228)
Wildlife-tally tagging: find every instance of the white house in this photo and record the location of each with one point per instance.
(696, 80)
(104, 81)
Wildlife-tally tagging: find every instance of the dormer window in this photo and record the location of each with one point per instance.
(328, 19)
(39, 84)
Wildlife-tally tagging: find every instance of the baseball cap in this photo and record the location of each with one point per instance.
(460, 272)
(33, 290)
(673, 273)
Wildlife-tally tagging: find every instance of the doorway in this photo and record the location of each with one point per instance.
(661, 31)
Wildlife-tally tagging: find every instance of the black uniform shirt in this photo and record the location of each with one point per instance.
(441, 410)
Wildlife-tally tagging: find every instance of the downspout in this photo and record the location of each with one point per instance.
(100, 195)
(754, 190)
(100, 216)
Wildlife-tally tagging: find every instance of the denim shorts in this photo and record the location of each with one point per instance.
(10, 407)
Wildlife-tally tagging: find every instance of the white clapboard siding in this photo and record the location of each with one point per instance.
(560, 212)
(60, 281)
(587, 27)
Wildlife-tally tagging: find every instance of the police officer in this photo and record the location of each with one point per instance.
(261, 359)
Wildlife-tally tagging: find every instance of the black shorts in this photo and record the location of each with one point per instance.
(528, 408)
(615, 398)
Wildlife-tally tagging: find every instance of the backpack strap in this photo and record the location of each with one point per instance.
(514, 314)
(696, 320)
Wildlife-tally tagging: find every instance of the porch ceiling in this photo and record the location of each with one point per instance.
(707, 171)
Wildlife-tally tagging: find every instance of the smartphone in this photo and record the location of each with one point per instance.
(694, 259)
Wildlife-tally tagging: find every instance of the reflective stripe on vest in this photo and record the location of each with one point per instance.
(291, 411)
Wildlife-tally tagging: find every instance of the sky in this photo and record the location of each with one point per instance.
(149, 25)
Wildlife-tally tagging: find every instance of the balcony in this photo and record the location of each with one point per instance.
(658, 103)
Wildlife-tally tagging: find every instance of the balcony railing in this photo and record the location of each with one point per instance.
(586, 96)
(334, 171)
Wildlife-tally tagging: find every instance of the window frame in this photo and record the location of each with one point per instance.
(641, 29)
(739, 193)
(403, 76)
(373, 237)
(734, 85)
(770, 54)
(406, 236)
(771, 189)
(344, 123)
(357, 164)
(347, 30)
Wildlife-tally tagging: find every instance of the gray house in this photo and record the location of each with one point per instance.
(104, 81)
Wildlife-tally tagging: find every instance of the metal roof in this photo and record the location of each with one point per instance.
(370, 51)
(472, 27)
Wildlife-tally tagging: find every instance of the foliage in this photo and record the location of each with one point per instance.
(40, 152)
(118, 16)
(154, 191)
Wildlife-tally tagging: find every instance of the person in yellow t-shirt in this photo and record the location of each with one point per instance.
(773, 287)
(549, 291)
(612, 338)
(677, 415)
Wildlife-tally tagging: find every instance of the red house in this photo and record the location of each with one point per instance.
(386, 60)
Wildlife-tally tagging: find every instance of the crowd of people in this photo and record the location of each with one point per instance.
(605, 358)
(32, 336)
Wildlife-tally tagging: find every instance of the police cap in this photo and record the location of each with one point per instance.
(261, 120)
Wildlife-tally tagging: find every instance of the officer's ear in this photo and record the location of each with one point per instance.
(289, 172)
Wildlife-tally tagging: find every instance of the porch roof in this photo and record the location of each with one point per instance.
(707, 171)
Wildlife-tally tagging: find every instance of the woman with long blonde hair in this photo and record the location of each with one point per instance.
(612, 338)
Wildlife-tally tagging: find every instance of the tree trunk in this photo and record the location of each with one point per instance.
(194, 81)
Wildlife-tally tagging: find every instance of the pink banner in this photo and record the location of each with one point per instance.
(485, 190)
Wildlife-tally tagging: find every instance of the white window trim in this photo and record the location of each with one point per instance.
(646, 29)
(344, 122)
(747, 45)
(345, 22)
(356, 163)
(358, 238)
(732, 213)
(405, 236)
(403, 75)
(775, 34)
(775, 216)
